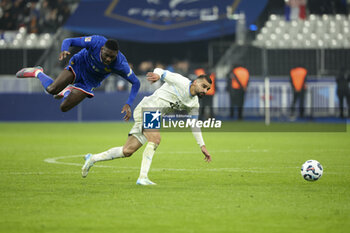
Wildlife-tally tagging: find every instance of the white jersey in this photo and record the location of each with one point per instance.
(174, 94)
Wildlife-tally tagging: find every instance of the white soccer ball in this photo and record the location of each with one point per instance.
(311, 170)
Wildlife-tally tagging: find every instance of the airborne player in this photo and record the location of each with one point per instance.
(86, 70)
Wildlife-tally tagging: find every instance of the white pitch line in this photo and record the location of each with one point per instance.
(39, 173)
(55, 159)
(251, 170)
(131, 169)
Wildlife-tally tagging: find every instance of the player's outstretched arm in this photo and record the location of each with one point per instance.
(206, 154)
(199, 138)
(82, 42)
(134, 90)
(167, 76)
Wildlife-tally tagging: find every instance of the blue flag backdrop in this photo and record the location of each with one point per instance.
(161, 20)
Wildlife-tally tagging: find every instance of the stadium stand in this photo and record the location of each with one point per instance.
(31, 24)
(318, 31)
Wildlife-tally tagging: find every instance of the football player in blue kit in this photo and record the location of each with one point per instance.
(86, 70)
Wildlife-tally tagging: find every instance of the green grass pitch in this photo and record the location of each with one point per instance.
(253, 183)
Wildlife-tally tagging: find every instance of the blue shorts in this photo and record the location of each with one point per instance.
(77, 66)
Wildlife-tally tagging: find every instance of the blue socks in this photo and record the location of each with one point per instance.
(47, 81)
(44, 79)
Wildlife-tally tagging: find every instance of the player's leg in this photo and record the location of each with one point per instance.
(240, 101)
(73, 99)
(294, 101)
(153, 138)
(65, 78)
(131, 145)
(232, 100)
(32, 72)
(51, 86)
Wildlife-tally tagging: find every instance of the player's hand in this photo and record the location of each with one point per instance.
(63, 55)
(152, 77)
(206, 154)
(126, 108)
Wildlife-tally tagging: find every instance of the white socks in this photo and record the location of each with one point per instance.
(116, 152)
(147, 159)
(37, 72)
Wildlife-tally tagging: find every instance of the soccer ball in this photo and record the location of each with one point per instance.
(311, 170)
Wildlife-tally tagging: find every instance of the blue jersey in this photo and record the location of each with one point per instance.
(90, 71)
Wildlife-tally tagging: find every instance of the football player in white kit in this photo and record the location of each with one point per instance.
(177, 93)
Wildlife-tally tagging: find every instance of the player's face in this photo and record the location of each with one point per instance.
(108, 55)
(202, 86)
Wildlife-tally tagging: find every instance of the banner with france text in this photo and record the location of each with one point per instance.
(162, 21)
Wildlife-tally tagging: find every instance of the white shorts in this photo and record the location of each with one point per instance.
(149, 103)
(136, 130)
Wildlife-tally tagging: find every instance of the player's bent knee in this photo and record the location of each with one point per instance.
(64, 108)
(127, 152)
(52, 90)
(156, 140)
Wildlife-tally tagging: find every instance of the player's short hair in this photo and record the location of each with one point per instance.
(206, 77)
(112, 45)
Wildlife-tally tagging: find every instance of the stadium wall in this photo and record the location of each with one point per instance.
(42, 107)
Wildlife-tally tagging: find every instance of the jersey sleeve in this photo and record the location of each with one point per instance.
(196, 131)
(126, 72)
(82, 42)
(122, 68)
(197, 134)
(134, 88)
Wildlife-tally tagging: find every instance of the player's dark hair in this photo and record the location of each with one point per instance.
(204, 76)
(112, 45)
